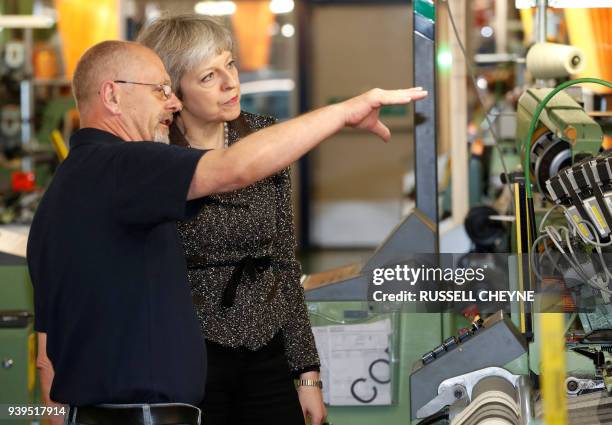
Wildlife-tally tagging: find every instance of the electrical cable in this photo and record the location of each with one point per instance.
(547, 215)
(555, 236)
(603, 262)
(541, 230)
(598, 246)
(532, 257)
(473, 78)
(553, 233)
(575, 264)
(557, 239)
(552, 261)
(589, 280)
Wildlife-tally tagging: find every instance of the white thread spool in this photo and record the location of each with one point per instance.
(550, 60)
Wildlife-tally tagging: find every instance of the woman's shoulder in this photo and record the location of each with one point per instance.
(256, 121)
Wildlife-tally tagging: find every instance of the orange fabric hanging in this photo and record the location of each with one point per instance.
(589, 30)
(252, 22)
(83, 23)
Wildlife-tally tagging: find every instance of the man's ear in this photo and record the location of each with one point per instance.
(110, 96)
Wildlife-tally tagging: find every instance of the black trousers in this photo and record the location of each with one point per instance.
(247, 387)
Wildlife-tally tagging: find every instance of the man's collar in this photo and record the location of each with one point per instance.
(92, 136)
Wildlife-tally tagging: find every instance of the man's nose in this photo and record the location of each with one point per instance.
(173, 103)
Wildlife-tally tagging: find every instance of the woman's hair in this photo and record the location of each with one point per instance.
(184, 41)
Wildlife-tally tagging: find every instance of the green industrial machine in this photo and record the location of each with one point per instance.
(337, 297)
(412, 335)
(403, 350)
(17, 336)
(561, 147)
(564, 133)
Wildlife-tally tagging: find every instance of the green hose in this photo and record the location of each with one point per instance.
(536, 117)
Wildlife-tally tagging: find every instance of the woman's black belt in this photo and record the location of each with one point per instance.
(249, 265)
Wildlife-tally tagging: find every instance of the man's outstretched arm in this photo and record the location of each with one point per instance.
(271, 149)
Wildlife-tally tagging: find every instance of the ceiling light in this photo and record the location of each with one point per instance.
(215, 8)
(281, 6)
(288, 30)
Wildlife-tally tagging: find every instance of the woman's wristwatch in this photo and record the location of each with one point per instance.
(309, 383)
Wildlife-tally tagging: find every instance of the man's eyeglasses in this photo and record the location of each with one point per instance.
(164, 88)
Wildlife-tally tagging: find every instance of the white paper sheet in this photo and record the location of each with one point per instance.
(354, 361)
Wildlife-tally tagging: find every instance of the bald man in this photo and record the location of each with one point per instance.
(112, 303)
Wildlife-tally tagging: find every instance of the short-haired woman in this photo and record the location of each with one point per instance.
(240, 249)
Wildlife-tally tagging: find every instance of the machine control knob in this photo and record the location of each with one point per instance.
(572, 385)
(439, 351)
(428, 357)
(464, 336)
(450, 343)
(7, 363)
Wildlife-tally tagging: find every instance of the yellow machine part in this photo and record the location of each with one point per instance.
(522, 229)
(554, 398)
(527, 20)
(59, 145)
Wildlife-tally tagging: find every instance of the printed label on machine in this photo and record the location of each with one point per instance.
(592, 208)
(576, 218)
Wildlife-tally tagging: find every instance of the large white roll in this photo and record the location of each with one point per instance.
(550, 60)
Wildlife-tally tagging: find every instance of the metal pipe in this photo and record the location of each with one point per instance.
(526, 400)
(27, 100)
(540, 30)
(541, 21)
(501, 26)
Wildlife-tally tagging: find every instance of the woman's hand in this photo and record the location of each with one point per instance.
(311, 400)
(363, 111)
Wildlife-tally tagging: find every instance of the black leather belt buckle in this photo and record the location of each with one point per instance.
(161, 414)
(175, 415)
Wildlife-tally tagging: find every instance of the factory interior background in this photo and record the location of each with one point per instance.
(456, 178)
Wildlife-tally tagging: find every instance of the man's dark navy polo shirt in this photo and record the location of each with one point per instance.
(109, 275)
